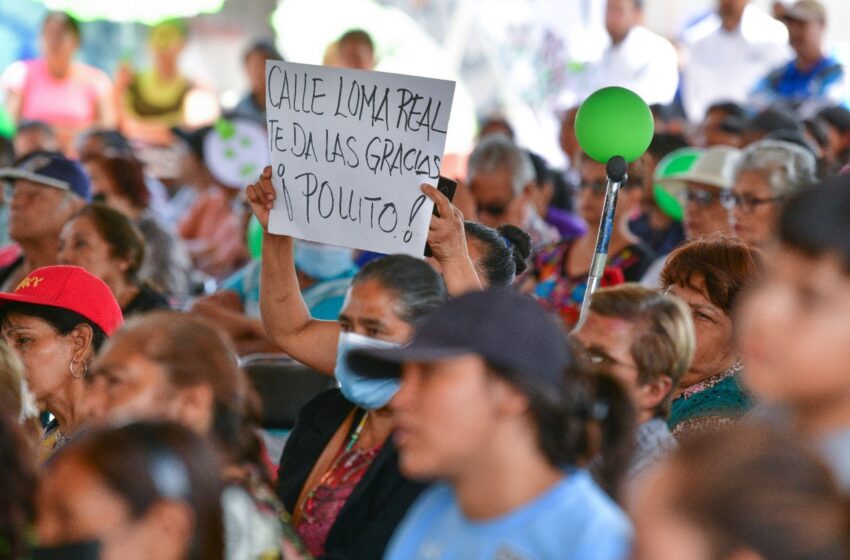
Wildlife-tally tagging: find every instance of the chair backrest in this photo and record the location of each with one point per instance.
(284, 386)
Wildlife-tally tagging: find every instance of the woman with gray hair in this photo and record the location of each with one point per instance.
(769, 171)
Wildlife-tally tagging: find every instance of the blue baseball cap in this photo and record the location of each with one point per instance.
(511, 331)
(51, 169)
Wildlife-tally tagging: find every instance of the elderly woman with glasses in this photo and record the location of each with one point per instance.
(559, 275)
(769, 171)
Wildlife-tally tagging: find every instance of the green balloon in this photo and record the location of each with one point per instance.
(614, 121)
(675, 163)
(255, 238)
(7, 124)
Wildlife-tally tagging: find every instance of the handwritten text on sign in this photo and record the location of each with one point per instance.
(349, 151)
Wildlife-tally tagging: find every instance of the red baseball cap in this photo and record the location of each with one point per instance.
(72, 288)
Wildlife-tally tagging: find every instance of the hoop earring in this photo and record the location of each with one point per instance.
(74, 375)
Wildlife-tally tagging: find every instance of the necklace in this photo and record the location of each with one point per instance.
(356, 434)
(350, 459)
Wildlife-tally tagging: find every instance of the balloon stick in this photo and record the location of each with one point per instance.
(617, 176)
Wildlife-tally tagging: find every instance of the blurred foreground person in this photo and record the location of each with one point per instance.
(745, 493)
(793, 328)
(18, 481)
(493, 406)
(168, 365)
(139, 492)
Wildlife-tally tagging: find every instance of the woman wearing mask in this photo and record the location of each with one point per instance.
(338, 473)
(105, 243)
(56, 320)
(139, 492)
(494, 407)
(170, 365)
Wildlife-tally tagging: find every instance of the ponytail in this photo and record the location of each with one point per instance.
(591, 424)
(610, 428)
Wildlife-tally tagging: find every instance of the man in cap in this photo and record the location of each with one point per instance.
(814, 78)
(700, 190)
(47, 188)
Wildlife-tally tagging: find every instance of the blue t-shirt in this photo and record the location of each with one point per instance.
(574, 520)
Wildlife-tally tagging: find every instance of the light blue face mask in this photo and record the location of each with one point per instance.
(367, 393)
(322, 262)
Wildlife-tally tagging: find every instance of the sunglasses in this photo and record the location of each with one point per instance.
(493, 209)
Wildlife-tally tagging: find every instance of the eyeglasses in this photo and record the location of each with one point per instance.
(701, 197)
(745, 202)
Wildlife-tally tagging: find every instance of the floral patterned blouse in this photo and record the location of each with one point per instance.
(563, 294)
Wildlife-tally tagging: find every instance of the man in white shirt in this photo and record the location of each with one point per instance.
(728, 54)
(637, 58)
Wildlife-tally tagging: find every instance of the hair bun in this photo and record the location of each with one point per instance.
(520, 245)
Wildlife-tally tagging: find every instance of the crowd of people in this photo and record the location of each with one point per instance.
(700, 409)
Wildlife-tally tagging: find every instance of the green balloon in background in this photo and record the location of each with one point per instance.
(675, 163)
(7, 124)
(255, 238)
(614, 121)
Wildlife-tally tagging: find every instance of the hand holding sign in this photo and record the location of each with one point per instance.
(349, 150)
(261, 195)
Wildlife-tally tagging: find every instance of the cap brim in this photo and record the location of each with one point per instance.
(21, 298)
(677, 183)
(15, 173)
(387, 362)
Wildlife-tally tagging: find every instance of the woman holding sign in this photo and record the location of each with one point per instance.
(339, 474)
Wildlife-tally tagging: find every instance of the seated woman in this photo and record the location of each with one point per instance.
(170, 365)
(119, 182)
(559, 273)
(493, 406)
(56, 320)
(339, 471)
(708, 274)
(748, 492)
(769, 171)
(139, 492)
(106, 243)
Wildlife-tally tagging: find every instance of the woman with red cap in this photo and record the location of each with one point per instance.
(56, 319)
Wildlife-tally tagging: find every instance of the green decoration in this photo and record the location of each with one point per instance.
(675, 163)
(614, 121)
(255, 238)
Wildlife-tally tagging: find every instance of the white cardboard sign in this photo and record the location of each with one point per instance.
(349, 151)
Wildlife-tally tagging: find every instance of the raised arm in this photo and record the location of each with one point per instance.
(285, 315)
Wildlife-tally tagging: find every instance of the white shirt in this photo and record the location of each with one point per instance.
(726, 65)
(643, 62)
